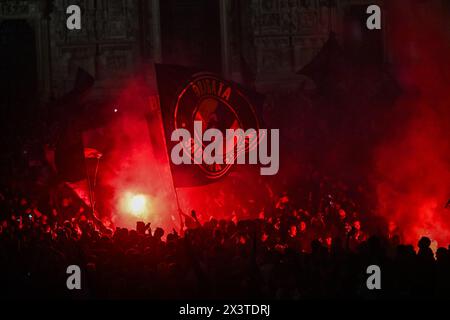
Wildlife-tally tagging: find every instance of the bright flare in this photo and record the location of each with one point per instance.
(138, 204)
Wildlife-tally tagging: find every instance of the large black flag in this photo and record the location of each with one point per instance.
(69, 152)
(188, 95)
(329, 69)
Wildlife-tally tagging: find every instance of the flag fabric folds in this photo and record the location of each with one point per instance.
(190, 94)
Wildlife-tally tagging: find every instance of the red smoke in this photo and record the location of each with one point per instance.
(135, 164)
(413, 164)
(131, 166)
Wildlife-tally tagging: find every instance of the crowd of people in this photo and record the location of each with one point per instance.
(285, 252)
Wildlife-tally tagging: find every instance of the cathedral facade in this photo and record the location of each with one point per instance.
(266, 41)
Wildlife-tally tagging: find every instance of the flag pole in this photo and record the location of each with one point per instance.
(176, 198)
(178, 207)
(91, 196)
(156, 110)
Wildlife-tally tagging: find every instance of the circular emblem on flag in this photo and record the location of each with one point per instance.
(218, 104)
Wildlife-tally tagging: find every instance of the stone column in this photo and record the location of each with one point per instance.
(225, 37)
(155, 30)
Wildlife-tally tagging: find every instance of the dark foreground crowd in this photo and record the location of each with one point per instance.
(285, 254)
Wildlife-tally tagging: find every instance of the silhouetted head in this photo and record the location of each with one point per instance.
(315, 246)
(441, 254)
(302, 226)
(140, 227)
(342, 214)
(293, 230)
(424, 243)
(159, 233)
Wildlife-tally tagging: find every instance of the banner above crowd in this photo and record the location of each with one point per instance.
(189, 96)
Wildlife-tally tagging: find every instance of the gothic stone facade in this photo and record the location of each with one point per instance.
(121, 38)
